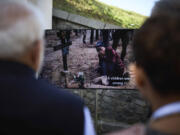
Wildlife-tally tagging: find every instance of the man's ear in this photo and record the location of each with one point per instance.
(35, 54)
(141, 79)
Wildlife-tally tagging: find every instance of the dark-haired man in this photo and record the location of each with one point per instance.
(156, 49)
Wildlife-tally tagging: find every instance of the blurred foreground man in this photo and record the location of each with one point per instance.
(28, 105)
(157, 69)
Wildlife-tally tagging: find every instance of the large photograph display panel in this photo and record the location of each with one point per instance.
(89, 58)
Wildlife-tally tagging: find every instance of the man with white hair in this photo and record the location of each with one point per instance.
(29, 105)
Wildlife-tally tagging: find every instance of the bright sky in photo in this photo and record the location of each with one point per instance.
(143, 7)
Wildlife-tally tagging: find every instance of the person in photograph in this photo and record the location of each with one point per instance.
(30, 105)
(84, 36)
(110, 62)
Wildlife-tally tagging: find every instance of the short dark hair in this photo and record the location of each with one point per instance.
(167, 7)
(157, 50)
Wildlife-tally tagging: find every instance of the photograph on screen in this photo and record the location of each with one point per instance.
(89, 58)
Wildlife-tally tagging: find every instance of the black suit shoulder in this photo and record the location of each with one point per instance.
(39, 106)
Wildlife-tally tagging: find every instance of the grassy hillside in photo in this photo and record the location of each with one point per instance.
(100, 11)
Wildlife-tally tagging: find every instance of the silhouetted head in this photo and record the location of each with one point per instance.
(157, 54)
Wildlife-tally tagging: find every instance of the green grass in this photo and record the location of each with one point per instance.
(100, 11)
